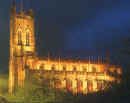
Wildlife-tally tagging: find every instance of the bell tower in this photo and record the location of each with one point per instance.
(22, 45)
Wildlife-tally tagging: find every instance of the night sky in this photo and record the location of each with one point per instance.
(72, 27)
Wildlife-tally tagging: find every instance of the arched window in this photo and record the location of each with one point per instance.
(89, 86)
(27, 38)
(19, 38)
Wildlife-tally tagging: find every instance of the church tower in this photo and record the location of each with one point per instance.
(22, 45)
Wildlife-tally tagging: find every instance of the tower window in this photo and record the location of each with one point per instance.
(19, 38)
(27, 39)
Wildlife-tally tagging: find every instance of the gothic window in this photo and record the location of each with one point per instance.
(27, 38)
(19, 38)
(68, 85)
(99, 85)
(89, 86)
(79, 86)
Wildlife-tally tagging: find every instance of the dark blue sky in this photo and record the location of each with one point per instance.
(78, 27)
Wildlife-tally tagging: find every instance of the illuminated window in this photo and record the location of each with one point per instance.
(74, 68)
(64, 68)
(84, 69)
(79, 86)
(99, 85)
(93, 69)
(53, 67)
(27, 38)
(68, 85)
(41, 66)
(89, 86)
(19, 38)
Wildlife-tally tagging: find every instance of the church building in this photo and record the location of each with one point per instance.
(83, 76)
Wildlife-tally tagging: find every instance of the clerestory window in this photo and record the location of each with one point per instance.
(93, 69)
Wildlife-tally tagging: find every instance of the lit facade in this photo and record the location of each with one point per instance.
(76, 76)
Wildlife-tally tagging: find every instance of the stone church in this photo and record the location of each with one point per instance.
(81, 76)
